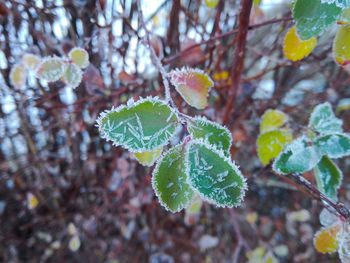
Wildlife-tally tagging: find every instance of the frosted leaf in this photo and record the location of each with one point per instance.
(214, 133)
(139, 127)
(339, 3)
(148, 158)
(193, 85)
(214, 176)
(313, 17)
(344, 244)
(51, 69)
(211, 3)
(295, 49)
(323, 120)
(73, 75)
(334, 145)
(341, 46)
(272, 120)
(343, 104)
(169, 180)
(328, 177)
(74, 243)
(79, 56)
(325, 240)
(18, 76)
(297, 157)
(30, 61)
(271, 143)
(327, 218)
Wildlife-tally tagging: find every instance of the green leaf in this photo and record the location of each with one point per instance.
(313, 17)
(272, 120)
(220, 136)
(51, 69)
(79, 56)
(148, 158)
(298, 157)
(334, 145)
(341, 45)
(73, 75)
(214, 176)
(169, 180)
(270, 144)
(328, 177)
(339, 3)
(323, 120)
(139, 127)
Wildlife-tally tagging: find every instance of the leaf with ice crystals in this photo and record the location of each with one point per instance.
(18, 76)
(139, 127)
(328, 177)
(214, 133)
(272, 120)
(327, 218)
(323, 120)
(30, 61)
(148, 158)
(297, 157)
(51, 69)
(73, 75)
(296, 49)
(211, 3)
(313, 17)
(334, 145)
(214, 176)
(169, 180)
(79, 56)
(344, 244)
(339, 3)
(341, 45)
(193, 85)
(271, 143)
(325, 240)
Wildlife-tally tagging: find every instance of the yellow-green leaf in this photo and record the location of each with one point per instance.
(193, 85)
(79, 56)
(325, 240)
(32, 201)
(148, 158)
(294, 48)
(18, 76)
(271, 143)
(74, 243)
(272, 120)
(31, 61)
(341, 45)
(211, 3)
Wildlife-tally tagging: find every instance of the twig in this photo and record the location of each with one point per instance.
(238, 57)
(235, 225)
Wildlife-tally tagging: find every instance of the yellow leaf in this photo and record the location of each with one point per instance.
(148, 158)
(341, 45)
(211, 3)
(294, 48)
(271, 143)
(325, 240)
(32, 201)
(256, 255)
(252, 217)
(18, 76)
(272, 120)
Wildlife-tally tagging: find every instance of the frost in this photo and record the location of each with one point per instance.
(73, 75)
(323, 120)
(327, 218)
(193, 85)
(297, 157)
(169, 180)
(79, 56)
(214, 176)
(339, 3)
(139, 127)
(30, 61)
(218, 135)
(334, 145)
(51, 69)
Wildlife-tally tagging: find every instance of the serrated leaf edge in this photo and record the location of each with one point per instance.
(44, 60)
(80, 76)
(316, 110)
(319, 231)
(335, 156)
(130, 104)
(221, 154)
(84, 51)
